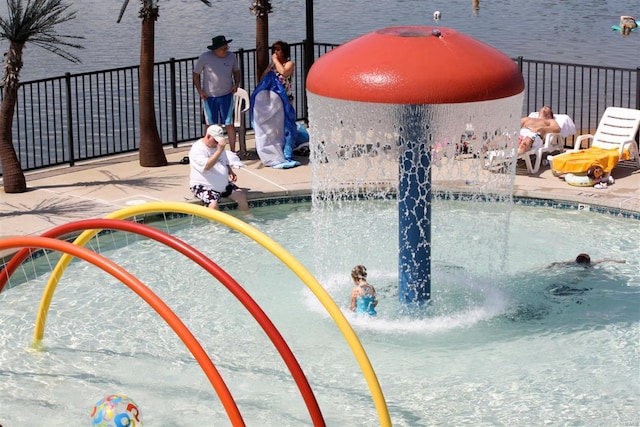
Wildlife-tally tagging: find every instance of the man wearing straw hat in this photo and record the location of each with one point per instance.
(216, 77)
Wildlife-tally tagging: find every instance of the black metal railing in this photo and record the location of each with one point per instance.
(77, 117)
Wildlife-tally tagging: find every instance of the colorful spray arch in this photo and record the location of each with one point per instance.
(147, 295)
(212, 268)
(77, 250)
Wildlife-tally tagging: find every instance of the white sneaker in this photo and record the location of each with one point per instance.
(600, 185)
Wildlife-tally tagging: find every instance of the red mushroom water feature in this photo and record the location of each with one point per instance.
(415, 68)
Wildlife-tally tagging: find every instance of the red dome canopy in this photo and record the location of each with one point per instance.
(415, 65)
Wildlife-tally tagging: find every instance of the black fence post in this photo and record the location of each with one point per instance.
(174, 113)
(520, 62)
(638, 88)
(72, 153)
(309, 41)
(309, 56)
(245, 77)
(638, 99)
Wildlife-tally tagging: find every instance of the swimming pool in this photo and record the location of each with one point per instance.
(496, 346)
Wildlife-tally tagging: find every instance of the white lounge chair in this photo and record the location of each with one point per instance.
(613, 141)
(553, 142)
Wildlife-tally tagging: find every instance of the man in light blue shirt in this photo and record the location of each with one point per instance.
(216, 77)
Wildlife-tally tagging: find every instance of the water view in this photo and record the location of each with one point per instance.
(571, 31)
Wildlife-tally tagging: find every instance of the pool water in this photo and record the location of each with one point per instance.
(507, 340)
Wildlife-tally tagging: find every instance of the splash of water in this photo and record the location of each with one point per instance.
(363, 150)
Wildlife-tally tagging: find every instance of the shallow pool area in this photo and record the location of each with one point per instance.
(506, 339)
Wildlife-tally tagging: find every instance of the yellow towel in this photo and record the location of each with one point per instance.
(580, 161)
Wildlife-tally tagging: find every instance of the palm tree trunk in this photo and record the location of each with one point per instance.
(12, 176)
(262, 44)
(151, 151)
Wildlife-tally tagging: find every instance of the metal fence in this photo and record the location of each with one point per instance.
(83, 116)
(581, 91)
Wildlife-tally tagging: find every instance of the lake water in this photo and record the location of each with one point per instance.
(571, 31)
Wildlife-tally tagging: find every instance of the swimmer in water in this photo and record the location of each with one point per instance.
(363, 296)
(585, 261)
(581, 260)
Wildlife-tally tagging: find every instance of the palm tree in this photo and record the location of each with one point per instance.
(33, 22)
(262, 9)
(151, 152)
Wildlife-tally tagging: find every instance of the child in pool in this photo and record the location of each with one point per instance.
(363, 296)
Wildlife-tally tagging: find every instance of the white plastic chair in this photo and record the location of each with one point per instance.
(552, 142)
(241, 103)
(616, 131)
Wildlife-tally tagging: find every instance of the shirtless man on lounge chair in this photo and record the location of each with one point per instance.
(534, 130)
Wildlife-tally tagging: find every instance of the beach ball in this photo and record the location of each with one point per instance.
(116, 410)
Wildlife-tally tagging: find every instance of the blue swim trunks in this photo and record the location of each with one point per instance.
(218, 110)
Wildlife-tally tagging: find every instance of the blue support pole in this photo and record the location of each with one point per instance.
(414, 210)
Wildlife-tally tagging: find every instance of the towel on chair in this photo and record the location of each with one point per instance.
(580, 161)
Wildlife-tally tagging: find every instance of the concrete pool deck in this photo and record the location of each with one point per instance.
(95, 188)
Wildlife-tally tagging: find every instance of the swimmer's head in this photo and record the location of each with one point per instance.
(359, 272)
(583, 259)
